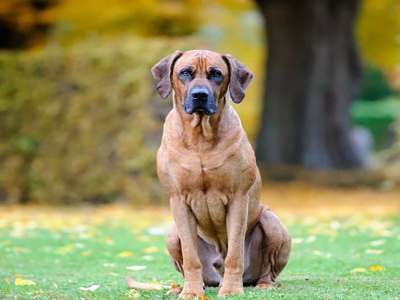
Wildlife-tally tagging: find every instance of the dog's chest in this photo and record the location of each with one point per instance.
(210, 210)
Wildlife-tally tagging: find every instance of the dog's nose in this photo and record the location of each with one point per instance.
(200, 94)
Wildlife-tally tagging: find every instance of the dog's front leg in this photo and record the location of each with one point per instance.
(236, 222)
(187, 228)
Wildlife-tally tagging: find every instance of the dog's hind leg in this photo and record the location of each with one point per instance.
(275, 249)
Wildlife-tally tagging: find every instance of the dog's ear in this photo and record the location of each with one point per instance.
(162, 73)
(241, 77)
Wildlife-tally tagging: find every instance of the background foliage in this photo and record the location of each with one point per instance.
(80, 124)
(79, 117)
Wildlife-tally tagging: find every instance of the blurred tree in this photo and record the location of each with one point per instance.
(313, 74)
(23, 22)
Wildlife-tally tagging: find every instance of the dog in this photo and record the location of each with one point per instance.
(222, 235)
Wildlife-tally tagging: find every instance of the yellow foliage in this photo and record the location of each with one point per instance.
(378, 31)
(151, 17)
(81, 124)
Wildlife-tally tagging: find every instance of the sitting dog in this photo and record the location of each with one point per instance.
(222, 234)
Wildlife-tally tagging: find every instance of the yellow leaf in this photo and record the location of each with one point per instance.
(108, 240)
(65, 249)
(150, 250)
(132, 294)
(202, 298)
(86, 253)
(20, 249)
(376, 268)
(126, 254)
(18, 275)
(21, 282)
(143, 238)
(358, 270)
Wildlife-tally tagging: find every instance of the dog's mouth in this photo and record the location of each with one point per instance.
(200, 109)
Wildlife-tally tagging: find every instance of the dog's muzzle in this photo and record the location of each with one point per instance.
(200, 100)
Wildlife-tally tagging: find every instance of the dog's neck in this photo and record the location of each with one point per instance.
(201, 131)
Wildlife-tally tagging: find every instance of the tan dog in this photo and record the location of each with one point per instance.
(222, 234)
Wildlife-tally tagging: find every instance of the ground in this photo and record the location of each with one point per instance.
(345, 246)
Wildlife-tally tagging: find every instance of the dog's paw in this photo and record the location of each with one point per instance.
(175, 290)
(265, 286)
(191, 294)
(230, 290)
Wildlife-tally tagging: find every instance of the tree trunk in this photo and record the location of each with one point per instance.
(313, 73)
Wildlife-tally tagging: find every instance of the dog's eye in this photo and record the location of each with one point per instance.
(185, 73)
(215, 74)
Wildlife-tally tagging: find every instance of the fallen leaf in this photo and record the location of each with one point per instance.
(143, 238)
(373, 251)
(109, 265)
(18, 275)
(335, 225)
(147, 257)
(317, 252)
(79, 245)
(311, 239)
(378, 243)
(21, 282)
(65, 249)
(20, 249)
(157, 230)
(126, 254)
(297, 240)
(136, 268)
(202, 298)
(108, 240)
(86, 253)
(6, 280)
(133, 284)
(92, 288)
(150, 250)
(376, 268)
(37, 292)
(132, 294)
(358, 270)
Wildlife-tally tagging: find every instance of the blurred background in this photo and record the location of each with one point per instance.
(80, 119)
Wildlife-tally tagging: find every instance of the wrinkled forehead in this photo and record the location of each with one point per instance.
(202, 60)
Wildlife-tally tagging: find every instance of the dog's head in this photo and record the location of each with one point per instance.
(201, 79)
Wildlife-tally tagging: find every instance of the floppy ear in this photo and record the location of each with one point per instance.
(241, 77)
(162, 73)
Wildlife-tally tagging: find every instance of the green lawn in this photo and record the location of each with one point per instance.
(63, 251)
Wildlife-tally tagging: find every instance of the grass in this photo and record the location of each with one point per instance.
(63, 249)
